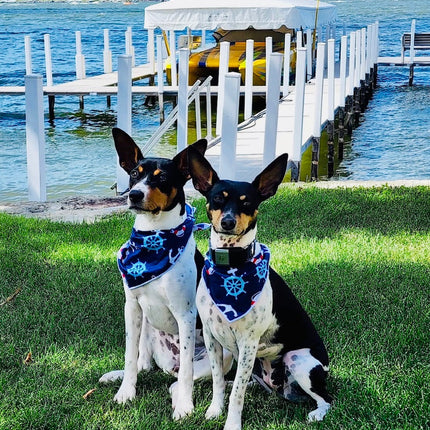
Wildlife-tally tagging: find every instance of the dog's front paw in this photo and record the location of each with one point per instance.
(182, 409)
(214, 411)
(232, 424)
(124, 394)
(115, 375)
(318, 414)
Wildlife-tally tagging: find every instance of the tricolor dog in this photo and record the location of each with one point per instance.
(246, 307)
(159, 272)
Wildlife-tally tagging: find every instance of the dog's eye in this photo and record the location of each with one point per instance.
(218, 198)
(246, 203)
(134, 174)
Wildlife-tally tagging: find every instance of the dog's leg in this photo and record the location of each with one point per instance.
(145, 346)
(311, 375)
(183, 400)
(247, 352)
(133, 325)
(215, 355)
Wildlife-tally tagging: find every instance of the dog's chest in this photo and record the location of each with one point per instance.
(258, 322)
(165, 299)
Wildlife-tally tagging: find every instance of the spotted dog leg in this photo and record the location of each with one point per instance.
(133, 324)
(311, 375)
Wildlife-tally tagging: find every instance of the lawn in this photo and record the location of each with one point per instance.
(358, 260)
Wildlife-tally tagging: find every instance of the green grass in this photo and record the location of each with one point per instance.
(358, 260)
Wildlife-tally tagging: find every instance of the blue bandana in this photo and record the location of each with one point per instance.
(236, 290)
(147, 255)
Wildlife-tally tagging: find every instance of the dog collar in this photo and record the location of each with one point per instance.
(147, 255)
(236, 289)
(232, 257)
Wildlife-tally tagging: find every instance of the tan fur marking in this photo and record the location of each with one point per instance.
(225, 193)
(157, 172)
(242, 197)
(155, 199)
(140, 168)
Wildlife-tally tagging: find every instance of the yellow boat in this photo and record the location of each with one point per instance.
(206, 62)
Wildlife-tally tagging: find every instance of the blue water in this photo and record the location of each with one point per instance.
(392, 141)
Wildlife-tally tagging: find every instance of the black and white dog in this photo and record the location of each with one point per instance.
(160, 268)
(245, 306)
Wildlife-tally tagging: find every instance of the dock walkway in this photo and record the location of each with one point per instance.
(250, 137)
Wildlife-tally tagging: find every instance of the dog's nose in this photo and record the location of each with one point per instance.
(228, 223)
(135, 196)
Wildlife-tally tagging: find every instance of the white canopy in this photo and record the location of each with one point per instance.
(237, 14)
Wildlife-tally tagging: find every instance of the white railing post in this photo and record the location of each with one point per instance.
(272, 108)
(308, 54)
(35, 136)
(208, 113)
(124, 100)
(351, 68)
(298, 113)
(230, 112)
(249, 75)
(173, 71)
(27, 48)
(107, 53)
(319, 87)
(182, 133)
(222, 71)
(79, 59)
(160, 72)
(287, 60)
(269, 50)
(48, 59)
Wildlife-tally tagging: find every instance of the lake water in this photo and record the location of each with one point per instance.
(392, 141)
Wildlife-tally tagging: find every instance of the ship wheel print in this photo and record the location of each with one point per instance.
(153, 242)
(137, 269)
(234, 285)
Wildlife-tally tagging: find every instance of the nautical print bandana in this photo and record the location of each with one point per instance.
(236, 290)
(149, 254)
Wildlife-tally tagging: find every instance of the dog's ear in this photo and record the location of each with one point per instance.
(181, 159)
(203, 175)
(268, 180)
(128, 152)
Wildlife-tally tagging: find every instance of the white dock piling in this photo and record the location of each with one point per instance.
(124, 100)
(296, 153)
(182, 133)
(287, 59)
(330, 78)
(129, 48)
(48, 59)
(28, 63)
(150, 49)
(230, 114)
(343, 58)
(319, 86)
(160, 76)
(107, 53)
(35, 136)
(412, 47)
(222, 71)
(272, 108)
(351, 72)
(172, 46)
(249, 75)
(79, 58)
(357, 58)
